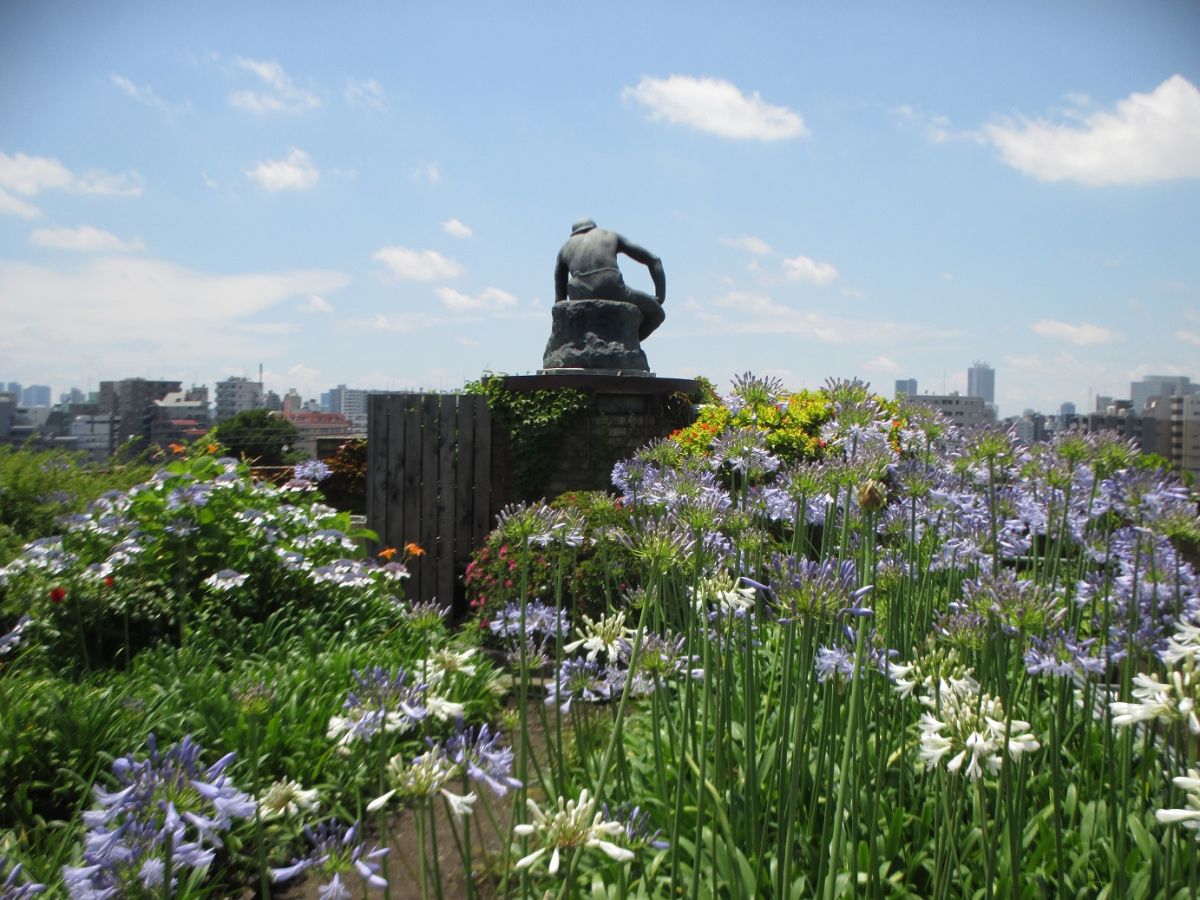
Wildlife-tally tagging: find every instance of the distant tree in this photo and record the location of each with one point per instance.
(259, 435)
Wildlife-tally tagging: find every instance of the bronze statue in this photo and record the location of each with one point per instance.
(587, 270)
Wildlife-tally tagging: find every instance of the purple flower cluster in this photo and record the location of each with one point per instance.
(478, 750)
(586, 679)
(313, 470)
(336, 851)
(10, 890)
(805, 587)
(166, 813)
(381, 702)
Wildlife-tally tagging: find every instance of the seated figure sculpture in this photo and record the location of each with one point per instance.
(599, 321)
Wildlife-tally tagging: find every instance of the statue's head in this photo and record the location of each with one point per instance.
(582, 225)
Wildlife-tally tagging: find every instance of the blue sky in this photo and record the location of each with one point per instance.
(374, 193)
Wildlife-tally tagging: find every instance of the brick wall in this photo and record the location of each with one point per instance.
(624, 414)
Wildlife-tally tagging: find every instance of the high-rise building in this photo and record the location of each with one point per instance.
(906, 387)
(1171, 428)
(350, 402)
(1066, 409)
(1159, 386)
(36, 395)
(981, 382)
(960, 410)
(131, 401)
(236, 394)
(14, 388)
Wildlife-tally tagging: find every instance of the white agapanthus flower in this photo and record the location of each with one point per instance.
(460, 804)
(969, 728)
(1174, 700)
(575, 823)
(726, 598)
(607, 635)
(1183, 645)
(447, 661)
(287, 798)
(442, 709)
(1190, 816)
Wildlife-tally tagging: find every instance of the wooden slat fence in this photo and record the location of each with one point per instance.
(429, 483)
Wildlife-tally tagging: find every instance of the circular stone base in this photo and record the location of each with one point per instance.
(595, 334)
(622, 373)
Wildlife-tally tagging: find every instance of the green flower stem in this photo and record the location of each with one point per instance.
(260, 846)
(835, 843)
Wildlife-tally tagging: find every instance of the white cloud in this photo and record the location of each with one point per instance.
(801, 268)
(86, 239)
(365, 93)
(95, 181)
(278, 92)
(268, 327)
(417, 265)
(1084, 334)
(29, 176)
(131, 314)
(457, 229)
(749, 243)
(935, 127)
(1145, 138)
(294, 172)
(1189, 337)
(315, 303)
(883, 364)
(756, 313)
(488, 299)
(429, 172)
(145, 95)
(715, 106)
(14, 206)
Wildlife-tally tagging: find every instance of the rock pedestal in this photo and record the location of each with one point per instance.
(595, 334)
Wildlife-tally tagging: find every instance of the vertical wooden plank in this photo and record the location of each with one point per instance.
(482, 519)
(378, 448)
(430, 428)
(447, 439)
(464, 475)
(395, 464)
(412, 487)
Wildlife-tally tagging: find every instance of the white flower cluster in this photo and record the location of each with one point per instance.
(287, 798)
(1174, 700)
(608, 635)
(573, 824)
(970, 728)
(1189, 817)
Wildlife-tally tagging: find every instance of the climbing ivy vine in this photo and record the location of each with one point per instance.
(535, 420)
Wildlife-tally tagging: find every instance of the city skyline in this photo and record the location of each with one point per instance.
(375, 197)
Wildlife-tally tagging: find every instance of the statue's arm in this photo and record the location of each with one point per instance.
(650, 261)
(561, 274)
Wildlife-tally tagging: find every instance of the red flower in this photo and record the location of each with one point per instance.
(58, 594)
(109, 581)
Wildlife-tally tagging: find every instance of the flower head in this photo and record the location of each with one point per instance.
(971, 728)
(1189, 816)
(336, 851)
(382, 701)
(575, 823)
(164, 801)
(287, 798)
